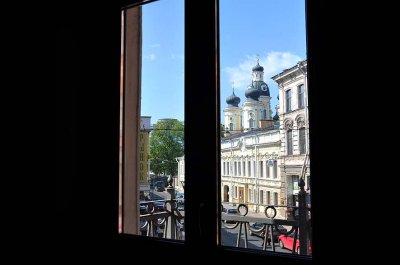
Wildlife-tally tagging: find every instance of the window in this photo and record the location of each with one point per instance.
(288, 100)
(261, 197)
(276, 198)
(300, 97)
(268, 198)
(199, 174)
(275, 169)
(261, 170)
(251, 125)
(302, 140)
(152, 129)
(289, 142)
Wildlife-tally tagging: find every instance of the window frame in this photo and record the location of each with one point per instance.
(288, 100)
(203, 39)
(300, 96)
(289, 142)
(302, 140)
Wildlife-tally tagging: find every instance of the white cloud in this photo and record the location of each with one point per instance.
(155, 45)
(150, 56)
(273, 63)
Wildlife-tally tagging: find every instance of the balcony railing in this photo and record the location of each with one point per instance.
(161, 218)
(164, 220)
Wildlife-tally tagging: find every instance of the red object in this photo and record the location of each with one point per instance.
(287, 242)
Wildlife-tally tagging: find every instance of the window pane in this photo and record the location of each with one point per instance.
(263, 75)
(152, 136)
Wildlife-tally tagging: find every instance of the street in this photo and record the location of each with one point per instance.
(229, 238)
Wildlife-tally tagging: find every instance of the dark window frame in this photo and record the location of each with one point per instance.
(88, 57)
(202, 39)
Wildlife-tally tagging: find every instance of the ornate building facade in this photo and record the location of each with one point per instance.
(294, 129)
(250, 154)
(263, 158)
(261, 162)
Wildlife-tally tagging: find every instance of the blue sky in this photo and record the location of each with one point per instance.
(273, 29)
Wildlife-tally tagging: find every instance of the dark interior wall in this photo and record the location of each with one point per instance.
(86, 99)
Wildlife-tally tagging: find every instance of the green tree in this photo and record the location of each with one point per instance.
(166, 144)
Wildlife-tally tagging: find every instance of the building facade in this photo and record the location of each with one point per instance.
(250, 153)
(250, 170)
(263, 158)
(294, 128)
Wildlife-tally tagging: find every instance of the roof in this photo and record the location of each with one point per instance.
(291, 69)
(251, 132)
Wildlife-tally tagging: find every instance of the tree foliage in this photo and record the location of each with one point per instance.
(166, 144)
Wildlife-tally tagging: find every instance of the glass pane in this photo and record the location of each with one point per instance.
(264, 126)
(152, 153)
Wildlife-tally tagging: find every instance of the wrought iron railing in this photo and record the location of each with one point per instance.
(164, 220)
(161, 218)
(299, 221)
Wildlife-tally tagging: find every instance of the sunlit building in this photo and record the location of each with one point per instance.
(250, 165)
(293, 127)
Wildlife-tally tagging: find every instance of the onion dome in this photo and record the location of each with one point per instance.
(262, 87)
(233, 100)
(258, 67)
(252, 92)
(276, 117)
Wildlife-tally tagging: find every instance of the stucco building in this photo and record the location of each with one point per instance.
(294, 128)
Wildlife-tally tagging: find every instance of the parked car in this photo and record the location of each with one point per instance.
(160, 188)
(230, 211)
(258, 229)
(287, 242)
(159, 205)
(143, 208)
(180, 198)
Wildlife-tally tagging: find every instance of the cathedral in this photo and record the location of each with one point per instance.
(256, 110)
(264, 157)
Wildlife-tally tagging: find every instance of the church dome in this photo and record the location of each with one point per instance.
(258, 67)
(276, 117)
(252, 92)
(262, 87)
(233, 100)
